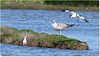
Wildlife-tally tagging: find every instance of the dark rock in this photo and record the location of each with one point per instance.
(35, 44)
(79, 46)
(82, 46)
(47, 45)
(63, 45)
(7, 40)
(19, 43)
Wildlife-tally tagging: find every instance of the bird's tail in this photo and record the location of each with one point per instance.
(71, 25)
(86, 21)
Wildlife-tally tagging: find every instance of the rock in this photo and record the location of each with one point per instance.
(47, 45)
(63, 45)
(19, 43)
(79, 46)
(35, 44)
(82, 46)
(7, 40)
(43, 40)
(5, 54)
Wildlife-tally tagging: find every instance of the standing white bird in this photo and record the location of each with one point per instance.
(60, 27)
(25, 41)
(75, 15)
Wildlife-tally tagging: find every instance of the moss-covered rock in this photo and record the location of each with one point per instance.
(44, 40)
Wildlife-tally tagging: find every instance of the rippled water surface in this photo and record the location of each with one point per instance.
(41, 21)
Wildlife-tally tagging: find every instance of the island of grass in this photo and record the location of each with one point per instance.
(10, 35)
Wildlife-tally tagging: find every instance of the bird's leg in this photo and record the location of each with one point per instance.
(59, 32)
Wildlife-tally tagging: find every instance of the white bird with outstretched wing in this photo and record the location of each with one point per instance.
(75, 15)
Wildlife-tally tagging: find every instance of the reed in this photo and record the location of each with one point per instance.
(46, 5)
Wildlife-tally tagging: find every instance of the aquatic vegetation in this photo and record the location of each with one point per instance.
(50, 5)
(10, 35)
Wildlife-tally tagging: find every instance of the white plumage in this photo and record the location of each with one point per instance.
(60, 27)
(75, 15)
(25, 41)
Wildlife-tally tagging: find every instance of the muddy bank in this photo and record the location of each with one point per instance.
(43, 40)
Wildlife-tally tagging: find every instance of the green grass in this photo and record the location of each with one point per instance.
(59, 39)
(8, 32)
(49, 5)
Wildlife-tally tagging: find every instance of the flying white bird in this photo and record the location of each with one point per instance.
(60, 27)
(25, 41)
(75, 15)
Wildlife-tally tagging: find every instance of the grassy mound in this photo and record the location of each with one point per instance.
(13, 36)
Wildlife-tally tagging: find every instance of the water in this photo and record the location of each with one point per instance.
(41, 21)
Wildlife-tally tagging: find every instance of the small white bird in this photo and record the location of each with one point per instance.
(60, 27)
(75, 15)
(25, 41)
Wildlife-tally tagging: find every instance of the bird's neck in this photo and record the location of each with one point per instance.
(25, 37)
(54, 22)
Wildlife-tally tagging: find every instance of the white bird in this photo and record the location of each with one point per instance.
(25, 41)
(60, 27)
(75, 15)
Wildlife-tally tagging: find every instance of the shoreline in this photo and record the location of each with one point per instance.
(47, 7)
(41, 9)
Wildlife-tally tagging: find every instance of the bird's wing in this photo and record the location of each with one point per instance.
(86, 20)
(70, 25)
(83, 19)
(78, 15)
(74, 13)
(67, 11)
(62, 26)
(70, 12)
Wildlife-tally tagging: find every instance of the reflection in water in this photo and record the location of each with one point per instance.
(41, 21)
